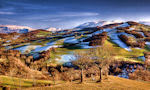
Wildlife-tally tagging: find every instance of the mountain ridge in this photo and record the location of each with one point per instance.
(14, 28)
(97, 23)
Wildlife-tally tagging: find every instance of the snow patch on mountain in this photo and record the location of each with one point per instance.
(112, 33)
(97, 23)
(53, 29)
(71, 40)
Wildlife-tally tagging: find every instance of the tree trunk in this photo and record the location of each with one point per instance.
(6, 88)
(82, 78)
(100, 74)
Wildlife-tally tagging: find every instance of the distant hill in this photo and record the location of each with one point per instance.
(53, 29)
(144, 22)
(14, 28)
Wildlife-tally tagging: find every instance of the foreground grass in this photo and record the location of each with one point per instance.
(112, 83)
(13, 82)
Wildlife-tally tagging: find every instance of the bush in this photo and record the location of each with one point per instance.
(146, 33)
(147, 39)
(98, 39)
(136, 34)
(140, 74)
(131, 41)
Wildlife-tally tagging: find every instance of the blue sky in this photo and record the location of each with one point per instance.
(70, 13)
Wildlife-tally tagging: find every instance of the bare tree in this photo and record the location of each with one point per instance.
(147, 60)
(83, 60)
(103, 56)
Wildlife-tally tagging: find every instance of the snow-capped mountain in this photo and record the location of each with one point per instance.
(94, 24)
(14, 28)
(53, 29)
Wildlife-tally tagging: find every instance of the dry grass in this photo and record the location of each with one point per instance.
(113, 83)
(14, 82)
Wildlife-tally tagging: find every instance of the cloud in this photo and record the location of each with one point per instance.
(59, 16)
(74, 14)
(8, 20)
(6, 13)
(66, 13)
(51, 20)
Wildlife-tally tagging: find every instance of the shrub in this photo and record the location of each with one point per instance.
(98, 39)
(131, 41)
(146, 33)
(140, 74)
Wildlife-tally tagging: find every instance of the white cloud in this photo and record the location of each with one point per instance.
(72, 14)
(6, 13)
(51, 20)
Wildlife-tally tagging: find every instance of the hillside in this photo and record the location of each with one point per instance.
(113, 83)
(45, 55)
(97, 23)
(14, 28)
(130, 36)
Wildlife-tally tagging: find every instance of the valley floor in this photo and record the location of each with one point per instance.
(112, 83)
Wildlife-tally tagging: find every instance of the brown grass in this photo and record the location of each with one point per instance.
(113, 83)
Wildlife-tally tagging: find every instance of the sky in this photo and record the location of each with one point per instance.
(41, 14)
